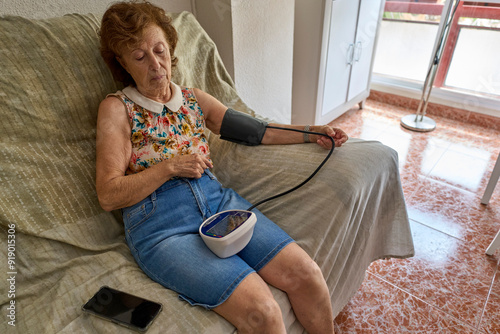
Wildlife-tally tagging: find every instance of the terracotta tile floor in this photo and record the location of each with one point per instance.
(450, 286)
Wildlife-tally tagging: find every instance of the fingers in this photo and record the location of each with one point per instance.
(199, 163)
(325, 143)
(203, 161)
(191, 165)
(338, 135)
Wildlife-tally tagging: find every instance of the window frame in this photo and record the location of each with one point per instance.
(441, 93)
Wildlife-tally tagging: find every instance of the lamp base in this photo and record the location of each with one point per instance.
(418, 123)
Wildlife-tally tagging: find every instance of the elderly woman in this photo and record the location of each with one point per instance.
(153, 163)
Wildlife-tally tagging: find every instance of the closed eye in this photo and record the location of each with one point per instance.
(139, 56)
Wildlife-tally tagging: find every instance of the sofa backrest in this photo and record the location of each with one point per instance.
(52, 80)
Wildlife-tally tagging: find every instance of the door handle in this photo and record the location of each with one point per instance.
(358, 51)
(350, 54)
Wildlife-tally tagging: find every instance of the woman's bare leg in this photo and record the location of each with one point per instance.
(251, 308)
(294, 272)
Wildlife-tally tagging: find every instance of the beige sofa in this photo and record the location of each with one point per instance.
(51, 82)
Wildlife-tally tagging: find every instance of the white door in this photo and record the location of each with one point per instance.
(342, 32)
(369, 13)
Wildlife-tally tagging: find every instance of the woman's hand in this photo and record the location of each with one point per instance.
(190, 165)
(338, 135)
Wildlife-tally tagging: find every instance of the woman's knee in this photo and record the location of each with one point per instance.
(251, 308)
(293, 270)
(262, 315)
(305, 275)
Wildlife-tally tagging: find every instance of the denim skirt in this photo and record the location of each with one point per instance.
(162, 234)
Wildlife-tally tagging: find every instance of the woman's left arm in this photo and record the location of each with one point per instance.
(275, 136)
(214, 112)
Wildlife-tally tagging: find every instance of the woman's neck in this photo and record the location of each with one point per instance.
(162, 95)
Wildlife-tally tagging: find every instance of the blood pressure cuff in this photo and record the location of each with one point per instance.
(242, 128)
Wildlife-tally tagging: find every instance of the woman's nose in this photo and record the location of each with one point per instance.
(154, 63)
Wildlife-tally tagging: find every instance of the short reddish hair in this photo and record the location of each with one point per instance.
(122, 26)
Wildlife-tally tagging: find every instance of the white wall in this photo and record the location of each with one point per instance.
(255, 41)
(40, 9)
(263, 55)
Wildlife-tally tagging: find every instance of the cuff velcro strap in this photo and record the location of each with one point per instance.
(242, 128)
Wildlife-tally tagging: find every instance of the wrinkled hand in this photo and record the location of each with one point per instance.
(189, 165)
(338, 135)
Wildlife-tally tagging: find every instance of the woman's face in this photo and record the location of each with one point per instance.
(149, 62)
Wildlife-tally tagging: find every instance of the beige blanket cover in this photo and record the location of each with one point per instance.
(51, 82)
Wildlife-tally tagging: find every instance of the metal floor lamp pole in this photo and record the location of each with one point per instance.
(418, 121)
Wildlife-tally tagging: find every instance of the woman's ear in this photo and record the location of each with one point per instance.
(118, 59)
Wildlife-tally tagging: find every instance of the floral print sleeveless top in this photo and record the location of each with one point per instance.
(162, 131)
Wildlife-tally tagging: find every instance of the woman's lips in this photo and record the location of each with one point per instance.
(158, 77)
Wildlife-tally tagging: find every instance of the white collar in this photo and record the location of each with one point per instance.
(173, 104)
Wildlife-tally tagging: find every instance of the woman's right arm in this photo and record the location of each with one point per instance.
(115, 190)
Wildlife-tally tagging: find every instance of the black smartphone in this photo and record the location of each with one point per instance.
(123, 308)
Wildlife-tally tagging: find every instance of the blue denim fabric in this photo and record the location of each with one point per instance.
(162, 233)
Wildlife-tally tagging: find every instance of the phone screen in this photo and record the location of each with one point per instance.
(123, 308)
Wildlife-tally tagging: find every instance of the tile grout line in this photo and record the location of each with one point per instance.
(436, 230)
(435, 308)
